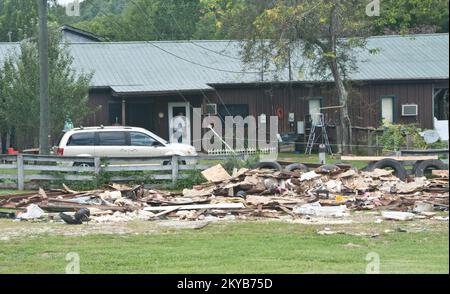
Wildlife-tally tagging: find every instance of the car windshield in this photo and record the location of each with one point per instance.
(159, 139)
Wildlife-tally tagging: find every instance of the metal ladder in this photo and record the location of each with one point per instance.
(319, 122)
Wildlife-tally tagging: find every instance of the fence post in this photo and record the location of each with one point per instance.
(97, 166)
(20, 173)
(174, 169)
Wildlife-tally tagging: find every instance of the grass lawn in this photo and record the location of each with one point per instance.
(12, 192)
(314, 158)
(302, 158)
(246, 247)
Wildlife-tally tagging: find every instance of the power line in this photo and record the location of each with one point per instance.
(177, 90)
(218, 94)
(147, 17)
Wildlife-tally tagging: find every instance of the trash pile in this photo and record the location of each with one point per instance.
(329, 191)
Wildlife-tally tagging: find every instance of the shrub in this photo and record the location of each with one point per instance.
(395, 137)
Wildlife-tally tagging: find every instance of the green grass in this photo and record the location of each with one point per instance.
(249, 247)
(314, 158)
(13, 192)
(302, 158)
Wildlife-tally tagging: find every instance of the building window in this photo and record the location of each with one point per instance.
(314, 108)
(388, 109)
(233, 110)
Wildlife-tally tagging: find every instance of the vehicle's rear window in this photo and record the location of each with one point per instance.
(111, 139)
(81, 139)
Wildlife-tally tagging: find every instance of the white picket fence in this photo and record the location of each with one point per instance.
(24, 168)
(245, 152)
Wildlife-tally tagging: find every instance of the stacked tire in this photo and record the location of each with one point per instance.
(421, 166)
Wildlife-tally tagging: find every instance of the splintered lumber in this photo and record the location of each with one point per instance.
(216, 174)
(398, 158)
(440, 173)
(200, 206)
(65, 206)
(165, 212)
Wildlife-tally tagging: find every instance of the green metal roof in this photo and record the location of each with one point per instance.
(196, 65)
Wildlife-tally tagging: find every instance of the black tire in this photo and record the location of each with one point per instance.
(296, 166)
(422, 166)
(82, 215)
(269, 165)
(369, 167)
(399, 170)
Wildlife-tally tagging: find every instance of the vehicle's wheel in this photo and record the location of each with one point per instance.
(269, 165)
(296, 166)
(421, 167)
(399, 170)
(83, 164)
(181, 162)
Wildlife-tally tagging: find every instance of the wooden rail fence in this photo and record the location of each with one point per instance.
(23, 168)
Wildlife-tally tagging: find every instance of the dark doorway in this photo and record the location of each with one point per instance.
(140, 115)
(441, 103)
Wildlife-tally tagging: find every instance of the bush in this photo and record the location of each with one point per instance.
(395, 137)
(235, 162)
(194, 178)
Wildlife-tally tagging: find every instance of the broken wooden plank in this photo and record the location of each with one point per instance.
(440, 173)
(42, 194)
(165, 212)
(216, 174)
(199, 206)
(63, 206)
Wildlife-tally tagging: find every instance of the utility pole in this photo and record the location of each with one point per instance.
(43, 91)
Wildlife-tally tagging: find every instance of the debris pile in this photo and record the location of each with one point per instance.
(328, 191)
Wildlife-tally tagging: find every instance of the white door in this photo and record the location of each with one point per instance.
(180, 122)
(387, 109)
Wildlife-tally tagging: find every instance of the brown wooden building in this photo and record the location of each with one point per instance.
(145, 84)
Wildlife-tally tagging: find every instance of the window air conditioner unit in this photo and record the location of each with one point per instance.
(410, 110)
(211, 109)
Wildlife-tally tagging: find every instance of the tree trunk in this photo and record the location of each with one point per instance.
(4, 146)
(345, 123)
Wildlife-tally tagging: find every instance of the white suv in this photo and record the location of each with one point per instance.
(118, 142)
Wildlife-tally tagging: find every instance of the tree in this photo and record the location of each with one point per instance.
(209, 25)
(412, 17)
(17, 19)
(145, 20)
(326, 32)
(19, 86)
